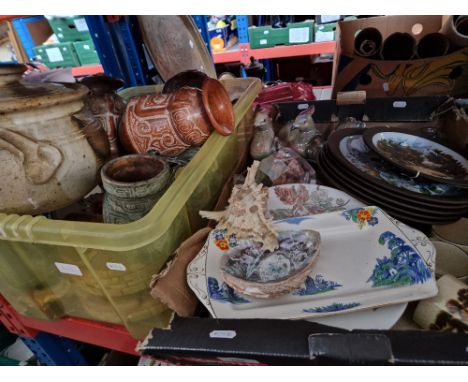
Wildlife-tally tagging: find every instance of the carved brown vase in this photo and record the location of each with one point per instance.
(171, 123)
(46, 160)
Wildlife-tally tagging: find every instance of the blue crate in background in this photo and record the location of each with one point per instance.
(22, 31)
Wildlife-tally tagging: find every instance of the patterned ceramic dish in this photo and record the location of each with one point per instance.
(400, 208)
(296, 200)
(387, 195)
(367, 259)
(418, 155)
(349, 149)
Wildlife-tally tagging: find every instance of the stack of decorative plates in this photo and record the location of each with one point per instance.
(412, 178)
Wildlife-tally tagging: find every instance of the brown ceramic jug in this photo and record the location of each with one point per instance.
(46, 160)
(171, 123)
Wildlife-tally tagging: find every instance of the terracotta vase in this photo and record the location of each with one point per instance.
(171, 123)
(46, 160)
(104, 107)
(133, 185)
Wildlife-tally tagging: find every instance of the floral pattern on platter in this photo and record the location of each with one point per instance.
(362, 216)
(224, 293)
(403, 267)
(335, 307)
(304, 202)
(224, 241)
(354, 149)
(315, 285)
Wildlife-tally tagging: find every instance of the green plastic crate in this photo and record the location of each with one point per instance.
(57, 55)
(86, 52)
(325, 32)
(51, 269)
(292, 34)
(70, 29)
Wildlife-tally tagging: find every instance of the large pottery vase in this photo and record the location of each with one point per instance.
(171, 123)
(133, 185)
(46, 160)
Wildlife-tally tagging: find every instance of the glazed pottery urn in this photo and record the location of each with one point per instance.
(171, 123)
(46, 160)
(133, 185)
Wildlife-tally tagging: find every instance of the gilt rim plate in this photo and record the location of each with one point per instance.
(366, 164)
(390, 198)
(403, 214)
(397, 266)
(418, 155)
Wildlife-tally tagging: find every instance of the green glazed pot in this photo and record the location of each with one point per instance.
(133, 185)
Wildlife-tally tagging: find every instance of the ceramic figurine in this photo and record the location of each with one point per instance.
(247, 214)
(267, 274)
(133, 185)
(48, 162)
(105, 106)
(448, 311)
(171, 123)
(263, 141)
(304, 137)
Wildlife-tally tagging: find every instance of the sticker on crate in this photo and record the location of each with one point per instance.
(54, 54)
(299, 35)
(116, 267)
(81, 25)
(68, 269)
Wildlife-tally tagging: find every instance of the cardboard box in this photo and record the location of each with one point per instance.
(292, 34)
(207, 341)
(421, 77)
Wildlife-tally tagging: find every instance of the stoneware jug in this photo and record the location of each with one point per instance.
(171, 123)
(133, 185)
(46, 160)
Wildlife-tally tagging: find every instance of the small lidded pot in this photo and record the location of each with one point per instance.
(133, 184)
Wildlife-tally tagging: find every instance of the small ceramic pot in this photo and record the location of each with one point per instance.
(171, 123)
(187, 78)
(133, 185)
(448, 311)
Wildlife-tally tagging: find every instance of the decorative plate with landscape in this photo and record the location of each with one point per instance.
(296, 200)
(366, 260)
(356, 152)
(419, 156)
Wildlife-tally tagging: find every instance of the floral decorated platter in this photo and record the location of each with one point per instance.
(296, 200)
(349, 149)
(367, 260)
(418, 155)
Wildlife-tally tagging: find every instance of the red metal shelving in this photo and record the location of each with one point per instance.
(87, 70)
(244, 52)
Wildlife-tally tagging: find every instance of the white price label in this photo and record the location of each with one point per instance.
(54, 54)
(263, 42)
(230, 334)
(81, 25)
(298, 35)
(266, 32)
(399, 104)
(86, 47)
(116, 267)
(69, 269)
(324, 36)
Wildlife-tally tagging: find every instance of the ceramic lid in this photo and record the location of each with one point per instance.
(175, 45)
(16, 94)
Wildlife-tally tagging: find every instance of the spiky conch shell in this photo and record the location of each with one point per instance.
(247, 213)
